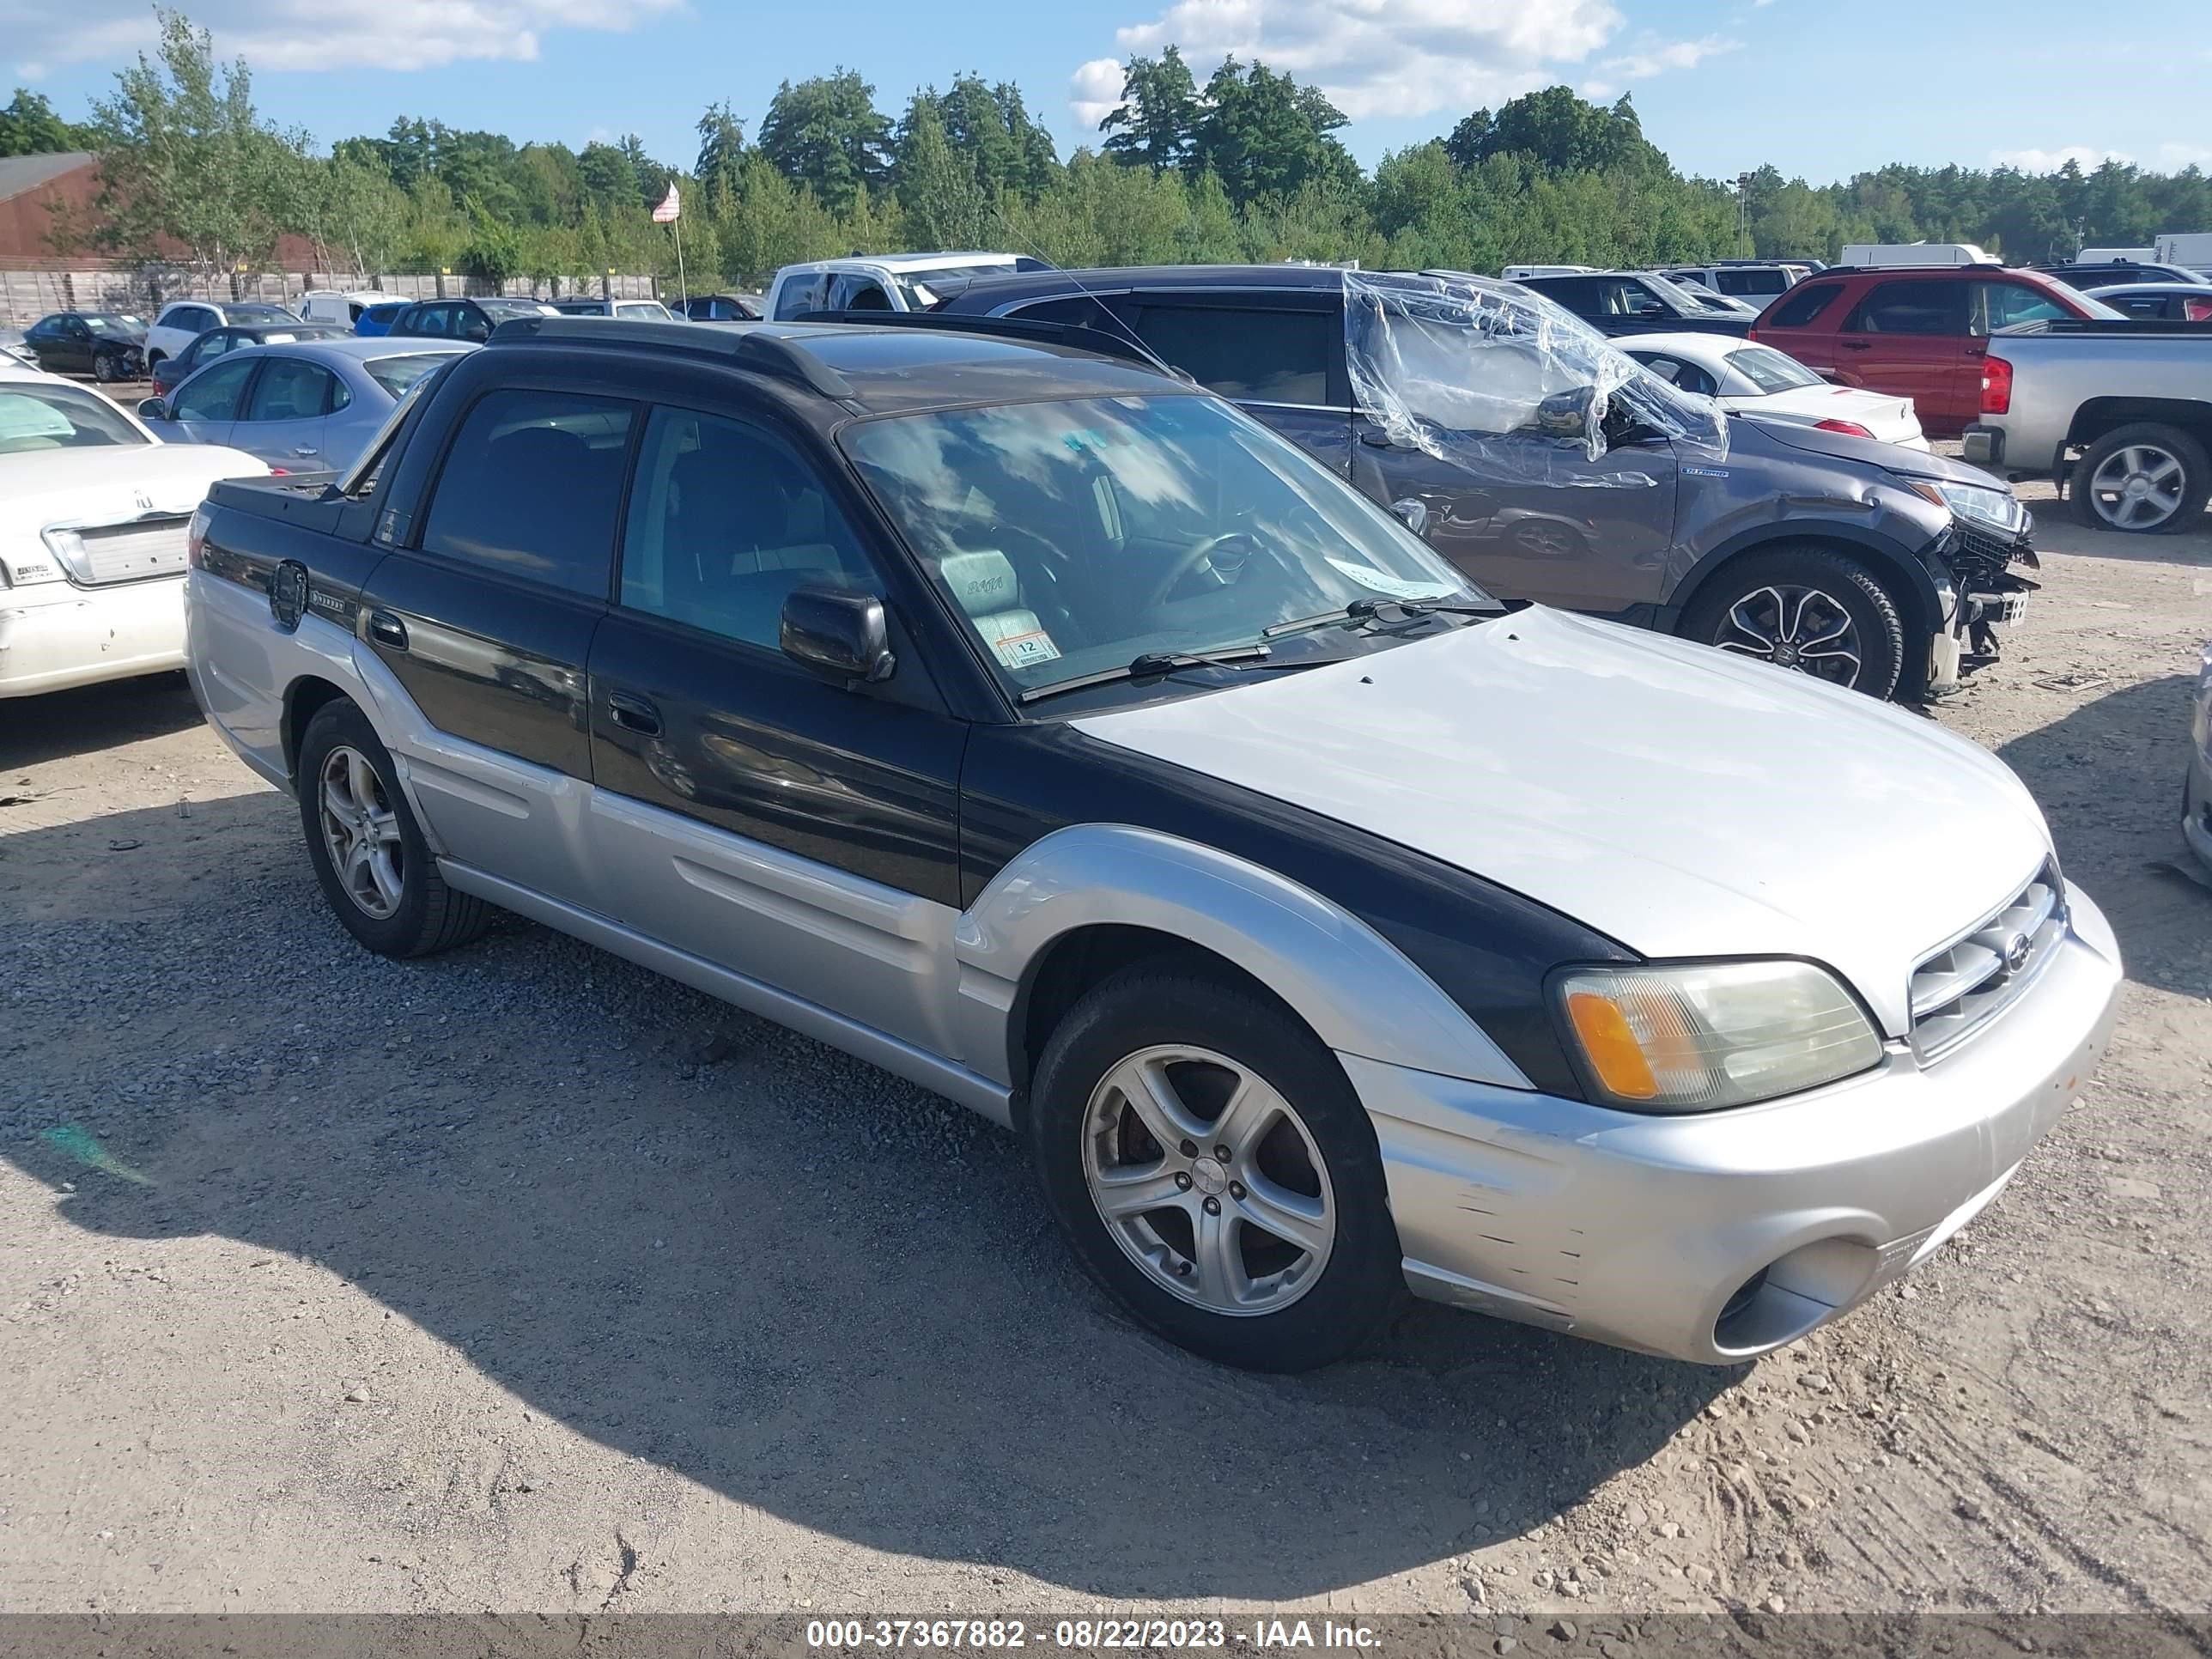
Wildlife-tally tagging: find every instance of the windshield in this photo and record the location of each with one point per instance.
(1771, 371)
(652, 310)
(101, 322)
(1075, 537)
(2089, 303)
(60, 418)
(258, 314)
(396, 375)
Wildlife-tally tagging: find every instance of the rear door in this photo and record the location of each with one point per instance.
(1911, 337)
(484, 611)
(1279, 356)
(285, 414)
(798, 832)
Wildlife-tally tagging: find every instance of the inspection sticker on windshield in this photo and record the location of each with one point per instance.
(1368, 576)
(1026, 650)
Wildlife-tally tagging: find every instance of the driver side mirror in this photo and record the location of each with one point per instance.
(1564, 414)
(837, 634)
(153, 409)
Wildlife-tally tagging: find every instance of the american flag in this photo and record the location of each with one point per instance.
(670, 208)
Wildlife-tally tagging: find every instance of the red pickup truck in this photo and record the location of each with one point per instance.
(1918, 333)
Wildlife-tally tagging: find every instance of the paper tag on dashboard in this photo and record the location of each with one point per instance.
(1396, 587)
(1026, 650)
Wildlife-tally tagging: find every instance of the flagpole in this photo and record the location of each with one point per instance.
(683, 283)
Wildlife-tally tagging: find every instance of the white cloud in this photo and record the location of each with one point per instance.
(1380, 56)
(1658, 57)
(1094, 92)
(2087, 157)
(323, 35)
(2173, 157)
(31, 71)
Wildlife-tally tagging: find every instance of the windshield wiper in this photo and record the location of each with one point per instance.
(1360, 612)
(1150, 664)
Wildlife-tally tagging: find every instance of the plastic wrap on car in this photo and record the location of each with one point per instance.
(1497, 379)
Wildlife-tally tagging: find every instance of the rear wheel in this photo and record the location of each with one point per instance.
(2144, 478)
(1807, 609)
(369, 854)
(1213, 1171)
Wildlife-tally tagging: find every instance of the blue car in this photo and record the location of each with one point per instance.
(377, 320)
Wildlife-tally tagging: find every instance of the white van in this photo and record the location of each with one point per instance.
(2193, 249)
(2117, 256)
(339, 305)
(1915, 254)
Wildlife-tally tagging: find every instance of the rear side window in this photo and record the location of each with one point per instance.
(1937, 306)
(1806, 301)
(1262, 355)
(2006, 303)
(1076, 311)
(290, 390)
(1741, 283)
(532, 487)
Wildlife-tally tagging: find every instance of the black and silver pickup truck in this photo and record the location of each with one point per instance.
(1041, 729)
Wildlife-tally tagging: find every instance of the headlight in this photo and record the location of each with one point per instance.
(1691, 1038)
(2000, 509)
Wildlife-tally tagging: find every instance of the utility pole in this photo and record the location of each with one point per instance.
(1742, 206)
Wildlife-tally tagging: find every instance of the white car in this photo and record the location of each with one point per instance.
(1746, 377)
(93, 510)
(181, 322)
(882, 282)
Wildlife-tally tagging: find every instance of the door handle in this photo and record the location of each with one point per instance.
(303, 450)
(1857, 345)
(634, 713)
(387, 630)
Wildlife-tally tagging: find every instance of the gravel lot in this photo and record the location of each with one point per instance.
(522, 1279)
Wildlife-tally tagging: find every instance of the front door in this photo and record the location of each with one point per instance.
(486, 623)
(801, 833)
(1910, 339)
(1533, 518)
(205, 409)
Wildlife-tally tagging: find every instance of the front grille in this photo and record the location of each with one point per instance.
(1974, 541)
(1964, 986)
(131, 552)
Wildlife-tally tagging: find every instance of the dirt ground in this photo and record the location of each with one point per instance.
(521, 1279)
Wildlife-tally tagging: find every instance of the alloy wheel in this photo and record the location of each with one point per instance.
(1806, 629)
(2138, 488)
(1208, 1180)
(362, 832)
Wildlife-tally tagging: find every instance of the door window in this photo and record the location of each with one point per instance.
(2003, 304)
(531, 488)
(290, 390)
(1919, 308)
(1806, 301)
(1676, 371)
(854, 292)
(206, 348)
(1275, 356)
(800, 294)
(724, 520)
(428, 319)
(213, 394)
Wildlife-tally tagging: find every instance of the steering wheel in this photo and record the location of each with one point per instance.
(1188, 561)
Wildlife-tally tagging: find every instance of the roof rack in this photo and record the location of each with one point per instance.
(1031, 329)
(757, 346)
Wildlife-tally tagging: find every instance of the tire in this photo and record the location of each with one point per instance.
(104, 369)
(1771, 605)
(1305, 1160)
(403, 909)
(2175, 479)
(155, 361)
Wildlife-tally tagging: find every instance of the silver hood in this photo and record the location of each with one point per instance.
(1681, 801)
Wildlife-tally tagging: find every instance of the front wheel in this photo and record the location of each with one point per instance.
(1205, 1156)
(1805, 609)
(105, 370)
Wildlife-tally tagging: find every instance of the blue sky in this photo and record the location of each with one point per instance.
(1819, 89)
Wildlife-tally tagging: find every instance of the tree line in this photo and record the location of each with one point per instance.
(1244, 166)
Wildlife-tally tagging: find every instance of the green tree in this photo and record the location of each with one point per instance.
(1156, 124)
(721, 148)
(184, 159)
(827, 134)
(28, 126)
(1265, 135)
(944, 205)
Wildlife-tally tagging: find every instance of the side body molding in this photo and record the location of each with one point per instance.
(1356, 989)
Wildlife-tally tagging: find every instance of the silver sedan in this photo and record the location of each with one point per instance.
(309, 406)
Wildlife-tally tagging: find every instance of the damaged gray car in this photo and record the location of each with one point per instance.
(1548, 465)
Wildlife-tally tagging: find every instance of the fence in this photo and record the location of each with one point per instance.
(28, 294)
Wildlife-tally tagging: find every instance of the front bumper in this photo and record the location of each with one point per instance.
(1716, 1236)
(54, 635)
